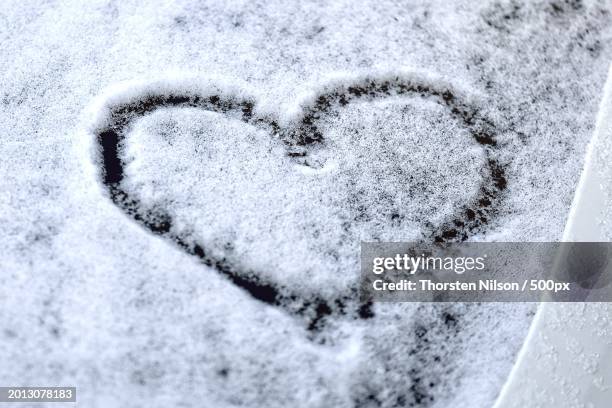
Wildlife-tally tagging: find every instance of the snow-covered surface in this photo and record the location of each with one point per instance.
(590, 216)
(90, 298)
(566, 360)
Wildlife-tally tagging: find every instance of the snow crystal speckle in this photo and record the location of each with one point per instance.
(91, 298)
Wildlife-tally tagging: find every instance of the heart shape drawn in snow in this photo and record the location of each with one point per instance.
(304, 191)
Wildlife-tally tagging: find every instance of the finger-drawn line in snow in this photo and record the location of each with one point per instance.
(313, 308)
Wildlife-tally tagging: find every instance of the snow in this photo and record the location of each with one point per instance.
(91, 298)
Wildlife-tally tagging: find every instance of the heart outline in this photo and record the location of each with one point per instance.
(121, 113)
